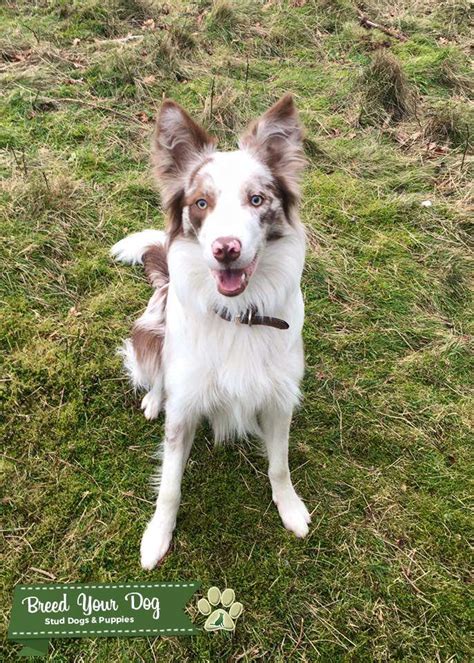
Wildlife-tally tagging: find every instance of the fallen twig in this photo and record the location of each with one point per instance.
(129, 493)
(119, 40)
(35, 34)
(45, 573)
(367, 23)
(298, 641)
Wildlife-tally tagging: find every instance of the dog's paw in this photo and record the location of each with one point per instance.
(294, 514)
(151, 405)
(156, 541)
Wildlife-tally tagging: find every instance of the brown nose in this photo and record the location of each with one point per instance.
(226, 249)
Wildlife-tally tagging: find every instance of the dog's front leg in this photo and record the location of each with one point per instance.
(276, 428)
(157, 536)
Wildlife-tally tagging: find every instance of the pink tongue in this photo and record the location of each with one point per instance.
(231, 279)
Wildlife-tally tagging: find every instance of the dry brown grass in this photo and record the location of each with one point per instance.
(386, 93)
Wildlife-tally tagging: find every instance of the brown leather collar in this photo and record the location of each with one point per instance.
(250, 317)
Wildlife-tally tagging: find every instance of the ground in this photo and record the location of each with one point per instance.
(380, 448)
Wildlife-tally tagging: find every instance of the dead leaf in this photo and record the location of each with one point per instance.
(19, 56)
(402, 137)
(149, 24)
(143, 117)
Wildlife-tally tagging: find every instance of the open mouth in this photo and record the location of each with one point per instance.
(232, 282)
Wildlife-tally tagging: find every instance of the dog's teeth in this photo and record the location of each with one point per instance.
(243, 278)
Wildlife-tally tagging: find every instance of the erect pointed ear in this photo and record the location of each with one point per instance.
(178, 143)
(276, 138)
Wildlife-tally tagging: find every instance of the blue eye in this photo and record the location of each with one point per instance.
(201, 203)
(256, 200)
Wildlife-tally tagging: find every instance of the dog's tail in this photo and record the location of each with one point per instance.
(147, 248)
(142, 353)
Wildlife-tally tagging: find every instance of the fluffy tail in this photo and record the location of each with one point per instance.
(142, 353)
(147, 248)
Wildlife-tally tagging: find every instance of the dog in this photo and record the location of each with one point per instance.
(221, 335)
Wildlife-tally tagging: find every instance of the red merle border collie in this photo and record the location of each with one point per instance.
(221, 335)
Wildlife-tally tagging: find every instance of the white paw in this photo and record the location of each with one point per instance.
(151, 405)
(294, 514)
(155, 544)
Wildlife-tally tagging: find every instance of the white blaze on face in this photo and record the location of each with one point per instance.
(211, 195)
(231, 176)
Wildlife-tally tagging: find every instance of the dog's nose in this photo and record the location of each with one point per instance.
(226, 249)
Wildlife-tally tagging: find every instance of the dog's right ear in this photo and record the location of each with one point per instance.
(178, 143)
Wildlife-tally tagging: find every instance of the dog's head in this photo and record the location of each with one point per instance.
(233, 203)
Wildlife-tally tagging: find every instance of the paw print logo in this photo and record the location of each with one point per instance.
(220, 619)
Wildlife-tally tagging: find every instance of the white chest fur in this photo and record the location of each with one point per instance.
(227, 371)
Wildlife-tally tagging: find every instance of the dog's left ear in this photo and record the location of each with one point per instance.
(276, 138)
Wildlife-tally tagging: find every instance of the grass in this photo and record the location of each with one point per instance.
(381, 447)
(386, 91)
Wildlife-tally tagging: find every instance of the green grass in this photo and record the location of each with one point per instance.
(381, 448)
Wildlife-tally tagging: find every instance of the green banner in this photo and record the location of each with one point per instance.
(42, 612)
